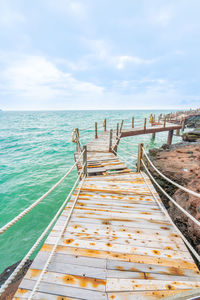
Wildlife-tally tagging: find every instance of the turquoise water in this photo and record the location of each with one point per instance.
(36, 151)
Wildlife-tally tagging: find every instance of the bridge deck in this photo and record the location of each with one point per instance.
(117, 245)
(153, 129)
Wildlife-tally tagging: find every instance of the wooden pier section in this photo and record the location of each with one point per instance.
(118, 244)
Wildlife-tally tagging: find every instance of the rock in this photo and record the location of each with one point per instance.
(11, 289)
(193, 122)
(153, 152)
(191, 136)
(181, 163)
(165, 147)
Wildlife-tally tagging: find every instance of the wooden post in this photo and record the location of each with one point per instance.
(132, 122)
(110, 141)
(164, 124)
(117, 129)
(153, 135)
(145, 123)
(78, 147)
(121, 126)
(170, 136)
(85, 160)
(183, 124)
(140, 154)
(177, 132)
(96, 134)
(104, 124)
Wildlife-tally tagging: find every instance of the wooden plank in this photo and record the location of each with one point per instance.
(161, 235)
(125, 249)
(154, 129)
(126, 199)
(116, 284)
(122, 241)
(140, 259)
(65, 278)
(24, 294)
(136, 223)
(150, 295)
(63, 290)
(118, 206)
(140, 214)
(153, 269)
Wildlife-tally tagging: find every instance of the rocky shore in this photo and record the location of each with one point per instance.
(181, 163)
(12, 288)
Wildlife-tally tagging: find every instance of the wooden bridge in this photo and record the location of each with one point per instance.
(114, 238)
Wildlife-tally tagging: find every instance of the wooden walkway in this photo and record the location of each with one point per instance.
(118, 243)
(153, 129)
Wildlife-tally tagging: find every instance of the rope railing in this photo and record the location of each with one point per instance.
(169, 180)
(132, 155)
(120, 156)
(85, 129)
(55, 245)
(167, 215)
(28, 209)
(169, 197)
(33, 248)
(132, 144)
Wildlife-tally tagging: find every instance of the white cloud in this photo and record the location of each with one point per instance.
(122, 61)
(72, 8)
(9, 16)
(36, 77)
(162, 16)
(102, 51)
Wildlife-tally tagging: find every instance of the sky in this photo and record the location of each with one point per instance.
(99, 54)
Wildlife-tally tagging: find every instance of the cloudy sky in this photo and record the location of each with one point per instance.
(99, 54)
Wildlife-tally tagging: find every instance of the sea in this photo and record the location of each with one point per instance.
(36, 150)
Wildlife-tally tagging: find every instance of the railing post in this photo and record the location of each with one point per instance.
(117, 129)
(78, 147)
(96, 135)
(145, 123)
(140, 154)
(132, 122)
(85, 160)
(164, 124)
(170, 136)
(183, 124)
(104, 124)
(177, 132)
(110, 140)
(121, 126)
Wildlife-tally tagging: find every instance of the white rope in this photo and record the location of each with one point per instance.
(171, 181)
(128, 162)
(132, 144)
(85, 134)
(171, 199)
(168, 217)
(133, 155)
(85, 129)
(23, 261)
(28, 209)
(55, 245)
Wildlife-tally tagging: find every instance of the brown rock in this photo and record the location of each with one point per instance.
(182, 165)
